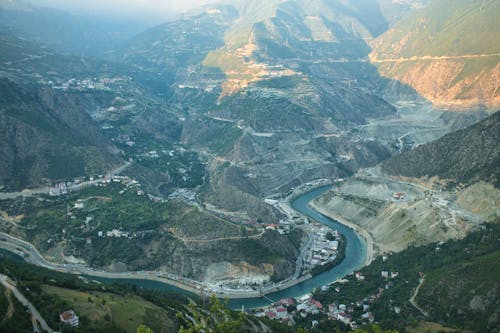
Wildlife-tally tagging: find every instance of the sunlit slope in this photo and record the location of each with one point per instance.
(448, 51)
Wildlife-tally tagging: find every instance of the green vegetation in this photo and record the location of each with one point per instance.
(109, 308)
(466, 291)
(151, 228)
(13, 315)
(127, 312)
(459, 275)
(256, 253)
(449, 27)
(465, 156)
(220, 139)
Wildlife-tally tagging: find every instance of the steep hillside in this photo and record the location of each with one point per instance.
(45, 137)
(467, 292)
(419, 205)
(80, 35)
(447, 51)
(464, 156)
(112, 307)
(448, 286)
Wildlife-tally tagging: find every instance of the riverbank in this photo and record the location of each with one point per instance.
(370, 251)
(355, 254)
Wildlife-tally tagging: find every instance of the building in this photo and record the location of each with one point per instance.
(69, 317)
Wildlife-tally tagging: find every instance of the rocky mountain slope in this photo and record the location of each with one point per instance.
(45, 136)
(63, 31)
(95, 100)
(447, 51)
(465, 156)
(282, 82)
(409, 200)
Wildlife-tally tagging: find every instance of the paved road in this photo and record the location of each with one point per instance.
(46, 189)
(24, 301)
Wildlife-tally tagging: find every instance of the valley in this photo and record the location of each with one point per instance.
(255, 151)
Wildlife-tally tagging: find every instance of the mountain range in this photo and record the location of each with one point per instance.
(217, 119)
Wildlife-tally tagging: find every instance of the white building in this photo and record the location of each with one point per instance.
(69, 317)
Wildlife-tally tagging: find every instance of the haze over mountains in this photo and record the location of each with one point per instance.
(181, 145)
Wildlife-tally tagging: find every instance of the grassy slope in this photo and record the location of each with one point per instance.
(467, 291)
(127, 312)
(446, 27)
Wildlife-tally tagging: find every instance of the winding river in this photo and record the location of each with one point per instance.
(354, 259)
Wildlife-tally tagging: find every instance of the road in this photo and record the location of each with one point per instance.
(24, 301)
(46, 189)
(416, 58)
(412, 299)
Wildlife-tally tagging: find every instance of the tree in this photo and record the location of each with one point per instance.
(144, 329)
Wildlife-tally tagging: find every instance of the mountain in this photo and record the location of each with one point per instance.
(465, 156)
(45, 136)
(279, 81)
(447, 51)
(84, 93)
(437, 191)
(64, 32)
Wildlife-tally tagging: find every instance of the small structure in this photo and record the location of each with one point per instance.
(69, 317)
(399, 196)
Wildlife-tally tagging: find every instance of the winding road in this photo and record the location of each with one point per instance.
(24, 301)
(412, 299)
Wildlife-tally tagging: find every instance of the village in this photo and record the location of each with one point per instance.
(102, 83)
(353, 314)
(319, 252)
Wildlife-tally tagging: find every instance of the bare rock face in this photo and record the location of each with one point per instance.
(446, 52)
(242, 271)
(445, 82)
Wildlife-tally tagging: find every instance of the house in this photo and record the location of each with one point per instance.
(287, 302)
(384, 274)
(69, 317)
(359, 276)
(301, 307)
(368, 316)
(281, 312)
(344, 317)
(79, 205)
(332, 307)
(271, 315)
(394, 275)
(398, 196)
(316, 303)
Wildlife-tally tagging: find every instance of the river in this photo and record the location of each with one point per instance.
(355, 252)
